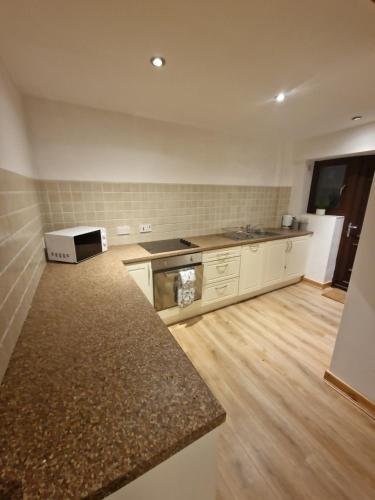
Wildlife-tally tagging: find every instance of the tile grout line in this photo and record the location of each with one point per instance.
(18, 278)
(24, 246)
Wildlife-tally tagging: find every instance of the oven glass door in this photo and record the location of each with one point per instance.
(165, 286)
(88, 244)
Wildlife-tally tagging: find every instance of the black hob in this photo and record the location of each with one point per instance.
(167, 245)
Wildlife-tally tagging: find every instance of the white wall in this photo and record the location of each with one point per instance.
(79, 143)
(14, 146)
(354, 355)
(298, 164)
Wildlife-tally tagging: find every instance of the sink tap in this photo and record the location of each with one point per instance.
(253, 228)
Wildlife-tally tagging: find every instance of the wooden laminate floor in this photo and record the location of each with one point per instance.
(287, 435)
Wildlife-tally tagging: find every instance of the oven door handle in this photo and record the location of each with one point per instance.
(176, 271)
(166, 273)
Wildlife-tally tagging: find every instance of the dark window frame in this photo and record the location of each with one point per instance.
(352, 166)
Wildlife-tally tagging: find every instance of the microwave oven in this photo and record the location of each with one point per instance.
(75, 243)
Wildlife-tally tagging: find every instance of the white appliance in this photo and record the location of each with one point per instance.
(75, 243)
(324, 246)
(287, 220)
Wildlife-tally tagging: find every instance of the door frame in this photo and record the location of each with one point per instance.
(359, 208)
(363, 162)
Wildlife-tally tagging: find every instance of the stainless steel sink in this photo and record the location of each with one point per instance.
(239, 236)
(261, 234)
(242, 234)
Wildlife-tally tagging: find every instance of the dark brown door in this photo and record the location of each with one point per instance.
(342, 186)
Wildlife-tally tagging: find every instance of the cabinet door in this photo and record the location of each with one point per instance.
(274, 262)
(296, 256)
(142, 275)
(251, 269)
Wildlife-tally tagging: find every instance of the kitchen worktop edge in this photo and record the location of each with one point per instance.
(133, 253)
(82, 410)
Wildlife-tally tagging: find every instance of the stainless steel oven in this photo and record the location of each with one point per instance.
(165, 276)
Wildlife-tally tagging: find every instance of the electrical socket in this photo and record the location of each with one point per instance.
(145, 228)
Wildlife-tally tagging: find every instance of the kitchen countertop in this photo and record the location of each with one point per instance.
(97, 390)
(133, 253)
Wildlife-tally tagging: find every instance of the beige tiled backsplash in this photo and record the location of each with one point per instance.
(21, 255)
(30, 207)
(174, 210)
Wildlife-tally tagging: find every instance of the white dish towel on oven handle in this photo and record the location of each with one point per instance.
(185, 287)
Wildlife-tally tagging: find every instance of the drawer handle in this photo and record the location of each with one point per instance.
(221, 266)
(254, 248)
(220, 287)
(222, 255)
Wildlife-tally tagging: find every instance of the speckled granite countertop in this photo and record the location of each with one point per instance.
(97, 391)
(135, 253)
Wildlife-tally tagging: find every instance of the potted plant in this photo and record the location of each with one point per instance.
(322, 203)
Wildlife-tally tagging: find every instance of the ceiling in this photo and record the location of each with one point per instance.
(226, 60)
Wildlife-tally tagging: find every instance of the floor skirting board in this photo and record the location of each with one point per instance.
(317, 284)
(348, 392)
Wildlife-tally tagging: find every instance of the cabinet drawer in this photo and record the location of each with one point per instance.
(221, 290)
(221, 254)
(221, 269)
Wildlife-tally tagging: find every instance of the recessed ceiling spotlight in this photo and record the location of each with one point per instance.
(157, 61)
(280, 97)
(356, 118)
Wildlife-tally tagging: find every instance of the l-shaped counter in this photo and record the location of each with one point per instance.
(97, 391)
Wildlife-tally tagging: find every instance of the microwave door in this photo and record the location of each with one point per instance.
(88, 244)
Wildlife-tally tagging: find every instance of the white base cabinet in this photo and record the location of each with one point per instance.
(296, 257)
(187, 475)
(142, 275)
(284, 260)
(251, 269)
(221, 269)
(274, 262)
(234, 274)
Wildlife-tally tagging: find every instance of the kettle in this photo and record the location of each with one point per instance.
(287, 220)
